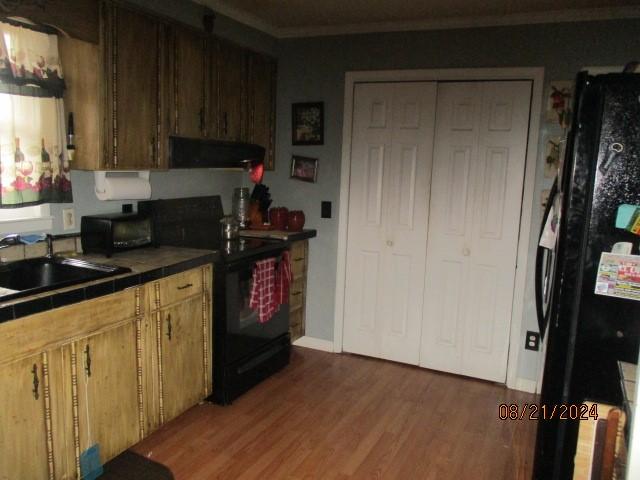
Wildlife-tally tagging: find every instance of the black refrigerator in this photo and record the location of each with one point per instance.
(588, 333)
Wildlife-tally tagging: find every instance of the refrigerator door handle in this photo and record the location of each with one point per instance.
(540, 262)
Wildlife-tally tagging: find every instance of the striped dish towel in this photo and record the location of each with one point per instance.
(263, 287)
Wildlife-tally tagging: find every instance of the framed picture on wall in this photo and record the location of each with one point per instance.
(304, 168)
(559, 100)
(307, 123)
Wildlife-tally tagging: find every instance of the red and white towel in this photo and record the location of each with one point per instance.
(270, 286)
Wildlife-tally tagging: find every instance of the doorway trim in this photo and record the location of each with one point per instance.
(536, 76)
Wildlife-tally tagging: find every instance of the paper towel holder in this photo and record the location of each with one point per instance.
(101, 177)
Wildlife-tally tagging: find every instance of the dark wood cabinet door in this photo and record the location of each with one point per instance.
(134, 89)
(188, 74)
(262, 95)
(231, 91)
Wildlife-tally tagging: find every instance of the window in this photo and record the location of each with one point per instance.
(34, 168)
(36, 218)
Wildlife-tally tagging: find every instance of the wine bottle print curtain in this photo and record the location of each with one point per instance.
(34, 167)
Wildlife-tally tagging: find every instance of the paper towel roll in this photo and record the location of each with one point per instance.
(123, 188)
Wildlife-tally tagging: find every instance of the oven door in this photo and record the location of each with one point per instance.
(245, 335)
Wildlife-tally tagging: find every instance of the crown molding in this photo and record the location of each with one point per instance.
(553, 16)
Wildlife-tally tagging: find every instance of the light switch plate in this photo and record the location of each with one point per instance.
(68, 218)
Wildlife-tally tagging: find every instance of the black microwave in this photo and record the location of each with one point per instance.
(110, 233)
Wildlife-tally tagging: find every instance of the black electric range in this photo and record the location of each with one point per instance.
(245, 350)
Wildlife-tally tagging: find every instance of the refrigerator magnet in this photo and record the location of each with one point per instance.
(619, 276)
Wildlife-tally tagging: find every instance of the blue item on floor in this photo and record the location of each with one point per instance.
(90, 466)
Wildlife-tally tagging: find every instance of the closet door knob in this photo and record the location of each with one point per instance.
(466, 252)
(389, 243)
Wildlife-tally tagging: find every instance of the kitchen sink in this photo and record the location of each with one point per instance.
(36, 275)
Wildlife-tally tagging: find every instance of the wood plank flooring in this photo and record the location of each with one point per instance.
(345, 417)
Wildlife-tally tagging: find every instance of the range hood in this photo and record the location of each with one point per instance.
(203, 153)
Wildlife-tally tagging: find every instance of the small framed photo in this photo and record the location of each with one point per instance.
(304, 168)
(307, 123)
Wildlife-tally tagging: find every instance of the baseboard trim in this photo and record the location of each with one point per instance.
(314, 343)
(525, 385)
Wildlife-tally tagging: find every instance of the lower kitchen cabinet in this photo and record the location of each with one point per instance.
(182, 356)
(25, 451)
(88, 374)
(298, 291)
(110, 410)
(182, 313)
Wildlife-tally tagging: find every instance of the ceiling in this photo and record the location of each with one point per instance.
(298, 18)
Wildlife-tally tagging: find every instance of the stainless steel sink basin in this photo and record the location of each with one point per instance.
(36, 275)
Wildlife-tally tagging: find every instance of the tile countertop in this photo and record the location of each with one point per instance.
(146, 264)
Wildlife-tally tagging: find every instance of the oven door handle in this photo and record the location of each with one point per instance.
(242, 264)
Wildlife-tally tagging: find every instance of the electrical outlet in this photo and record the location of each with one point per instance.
(533, 341)
(68, 218)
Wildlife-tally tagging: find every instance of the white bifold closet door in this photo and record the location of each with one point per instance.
(391, 157)
(476, 197)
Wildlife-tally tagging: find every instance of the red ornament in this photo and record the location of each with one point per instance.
(256, 173)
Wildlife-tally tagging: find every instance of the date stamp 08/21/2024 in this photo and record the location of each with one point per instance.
(532, 411)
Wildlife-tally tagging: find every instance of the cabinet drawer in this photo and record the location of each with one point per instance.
(54, 327)
(298, 250)
(296, 294)
(295, 318)
(298, 267)
(180, 286)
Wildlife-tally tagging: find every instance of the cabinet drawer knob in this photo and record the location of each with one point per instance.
(36, 382)
(188, 285)
(87, 361)
(169, 327)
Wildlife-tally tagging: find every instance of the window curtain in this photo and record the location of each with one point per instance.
(34, 166)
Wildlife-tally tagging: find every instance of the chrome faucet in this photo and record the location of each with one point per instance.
(10, 240)
(49, 246)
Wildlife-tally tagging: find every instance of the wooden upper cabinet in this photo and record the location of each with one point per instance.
(188, 70)
(148, 79)
(261, 96)
(135, 87)
(230, 84)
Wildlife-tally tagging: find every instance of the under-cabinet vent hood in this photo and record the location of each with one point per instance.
(201, 153)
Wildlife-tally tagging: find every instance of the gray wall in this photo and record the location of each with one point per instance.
(313, 69)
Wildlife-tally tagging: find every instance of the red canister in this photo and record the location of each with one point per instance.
(278, 217)
(296, 220)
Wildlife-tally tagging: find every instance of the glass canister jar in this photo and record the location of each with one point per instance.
(240, 206)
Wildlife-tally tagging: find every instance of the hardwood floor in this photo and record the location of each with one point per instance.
(348, 417)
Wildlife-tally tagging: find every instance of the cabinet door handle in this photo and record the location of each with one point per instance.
(296, 293)
(299, 259)
(188, 285)
(169, 326)
(36, 382)
(87, 360)
(201, 116)
(225, 124)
